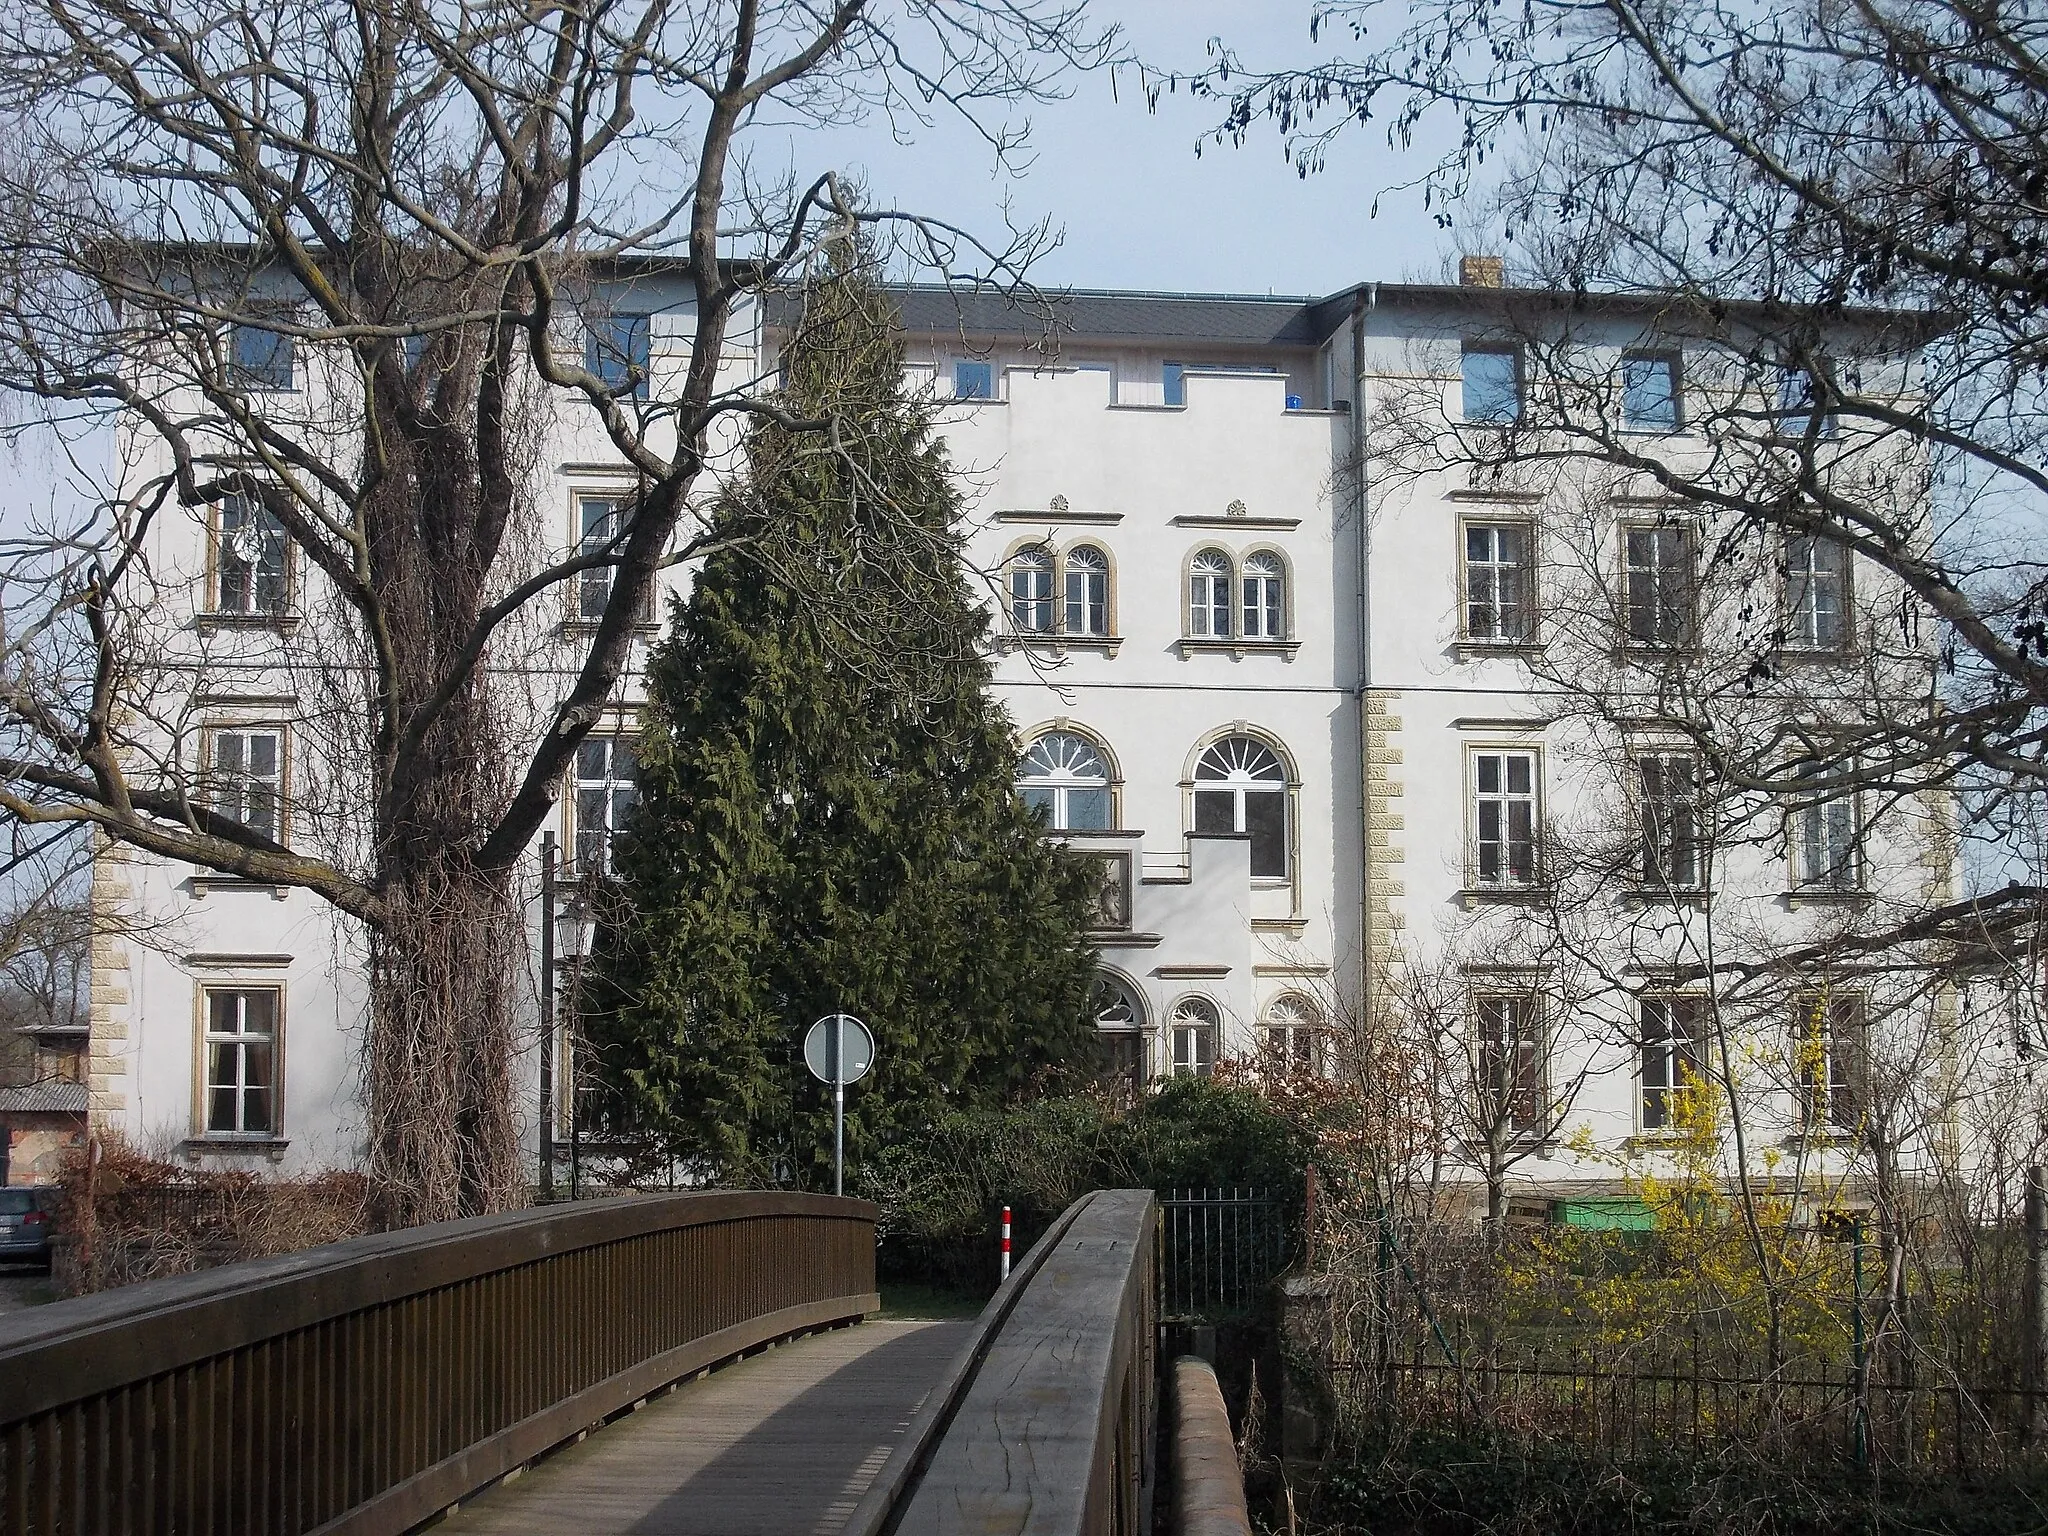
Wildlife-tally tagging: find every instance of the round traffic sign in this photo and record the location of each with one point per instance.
(822, 1043)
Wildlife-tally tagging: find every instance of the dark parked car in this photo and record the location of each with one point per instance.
(26, 1222)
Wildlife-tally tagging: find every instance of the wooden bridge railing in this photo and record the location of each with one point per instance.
(364, 1386)
(1046, 1423)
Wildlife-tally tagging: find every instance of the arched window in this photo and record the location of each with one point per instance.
(1240, 786)
(1265, 597)
(1030, 576)
(1292, 1029)
(1087, 591)
(1209, 595)
(1120, 1029)
(1195, 1027)
(1063, 776)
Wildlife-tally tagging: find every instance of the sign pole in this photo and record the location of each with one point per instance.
(839, 1104)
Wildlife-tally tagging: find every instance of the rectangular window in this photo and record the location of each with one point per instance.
(619, 349)
(1492, 384)
(1673, 1055)
(245, 777)
(1658, 580)
(250, 562)
(241, 1061)
(262, 359)
(1827, 841)
(607, 785)
(1510, 1063)
(1649, 391)
(1173, 379)
(1499, 584)
(1798, 397)
(1667, 786)
(1504, 818)
(974, 381)
(1816, 593)
(1831, 1050)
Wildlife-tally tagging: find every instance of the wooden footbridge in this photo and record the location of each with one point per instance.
(667, 1365)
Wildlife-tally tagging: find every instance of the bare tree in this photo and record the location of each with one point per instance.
(1756, 178)
(415, 214)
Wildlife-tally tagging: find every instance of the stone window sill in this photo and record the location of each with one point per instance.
(1504, 896)
(1059, 645)
(1237, 650)
(276, 623)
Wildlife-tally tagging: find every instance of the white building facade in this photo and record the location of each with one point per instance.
(1302, 713)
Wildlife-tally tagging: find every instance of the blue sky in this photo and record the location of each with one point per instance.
(1138, 208)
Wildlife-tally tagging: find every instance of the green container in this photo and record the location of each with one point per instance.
(1617, 1214)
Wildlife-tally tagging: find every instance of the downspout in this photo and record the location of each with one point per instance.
(1363, 302)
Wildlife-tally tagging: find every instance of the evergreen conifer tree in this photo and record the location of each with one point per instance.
(826, 815)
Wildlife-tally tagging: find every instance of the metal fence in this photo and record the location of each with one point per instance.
(367, 1385)
(1683, 1406)
(1221, 1249)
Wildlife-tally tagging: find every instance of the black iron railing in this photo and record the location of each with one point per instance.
(1221, 1249)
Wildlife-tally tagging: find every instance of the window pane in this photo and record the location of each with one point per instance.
(1173, 378)
(1088, 810)
(262, 359)
(255, 1111)
(259, 1013)
(220, 1109)
(1215, 811)
(1265, 815)
(1492, 383)
(974, 381)
(1039, 801)
(1649, 393)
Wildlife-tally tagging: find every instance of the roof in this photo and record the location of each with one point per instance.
(1222, 318)
(45, 1099)
(1251, 320)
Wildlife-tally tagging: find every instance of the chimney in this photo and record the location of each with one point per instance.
(1481, 272)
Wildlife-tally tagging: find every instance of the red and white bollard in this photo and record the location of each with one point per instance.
(1006, 1242)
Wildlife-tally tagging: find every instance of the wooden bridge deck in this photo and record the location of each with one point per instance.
(782, 1444)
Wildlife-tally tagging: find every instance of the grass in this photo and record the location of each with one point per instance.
(908, 1302)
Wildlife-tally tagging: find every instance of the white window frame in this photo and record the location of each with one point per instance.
(1485, 578)
(1292, 1032)
(1195, 1019)
(582, 835)
(265, 531)
(1211, 575)
(1503, 798)
(1030, 579)
(239, 1043)
(1060, 781)
(229, 791)
(1819, 830)
(1825, 1072)
(1804, 580)
(1262, 584)
(1084, 582)
(1656, 837)
(1673, 624)
(1521, 1007)
(1237, 782)
(1667, 1055)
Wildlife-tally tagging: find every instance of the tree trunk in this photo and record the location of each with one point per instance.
(443, 983)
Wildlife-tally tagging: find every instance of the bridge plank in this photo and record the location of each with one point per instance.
(782, 1444)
